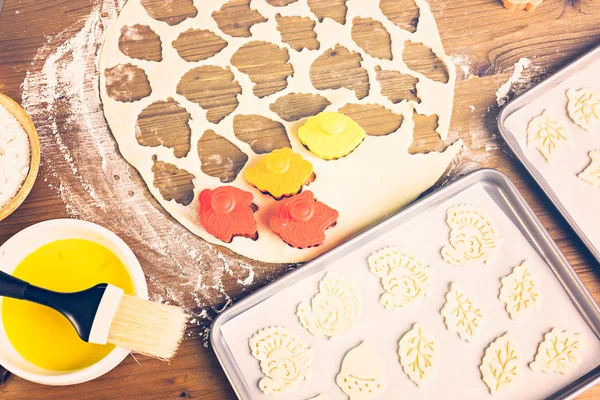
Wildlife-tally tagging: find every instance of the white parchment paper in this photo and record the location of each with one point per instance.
(458, 376)
(581, 199)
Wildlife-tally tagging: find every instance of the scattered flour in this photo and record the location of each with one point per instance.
(15, 156)
(521, 79)
(81, 162)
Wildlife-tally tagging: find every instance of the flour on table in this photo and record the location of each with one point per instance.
(502, 92)
(15, 156)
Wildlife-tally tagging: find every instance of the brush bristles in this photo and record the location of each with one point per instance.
(148, 328)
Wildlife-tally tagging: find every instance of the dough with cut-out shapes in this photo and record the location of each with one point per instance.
(362, 374)
(213, 92)
(285, 359)
(584, 108)
(419, 354)
(405, 279)
(473, 236)
(461, 314)
(520, 291)
(560, 351)
(334, 310)
(501, 365)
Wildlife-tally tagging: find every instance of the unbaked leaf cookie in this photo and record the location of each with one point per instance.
(405, 279)
(473, 236)
(461, 314)
(419, 354)
(520, 291)
(501, 364)
(584, 108)
(549, 135)
(362, 376)
(559, 352)
(334, 310)
(592, 173)
(285, 359)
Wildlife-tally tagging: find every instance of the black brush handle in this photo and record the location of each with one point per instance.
(12, 287)
(78, 307)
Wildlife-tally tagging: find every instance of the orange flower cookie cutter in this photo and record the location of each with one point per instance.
(331, 135)
(281, 173)
(227, 212)
(301, 221)
(528, 5)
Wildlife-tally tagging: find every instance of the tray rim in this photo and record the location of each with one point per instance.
(519, 102)
(583, 300)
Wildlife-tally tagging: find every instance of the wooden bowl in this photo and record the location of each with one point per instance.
(25, 120)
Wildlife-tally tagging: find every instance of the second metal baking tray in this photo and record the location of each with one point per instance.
(573, 202)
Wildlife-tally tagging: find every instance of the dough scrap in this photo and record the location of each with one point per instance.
(549, 135)
(405, 279)
(591, 174)
(362, 376)
(230, 94)
(584, 108)
(559, 352)
(501, 365)
(419, 354)
(285, 359)
(461, 314)
(473, 236)
(520, 291)
(334, 310)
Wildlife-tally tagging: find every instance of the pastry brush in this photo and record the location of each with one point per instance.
(104, 314)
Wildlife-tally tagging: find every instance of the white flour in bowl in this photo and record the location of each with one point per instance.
(15, 156)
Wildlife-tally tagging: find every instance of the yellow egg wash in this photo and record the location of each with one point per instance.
(43, 336)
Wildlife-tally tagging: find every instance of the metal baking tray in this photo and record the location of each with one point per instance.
(544, 89)
(578, 303)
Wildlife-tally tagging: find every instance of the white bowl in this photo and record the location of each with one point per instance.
(24, 243)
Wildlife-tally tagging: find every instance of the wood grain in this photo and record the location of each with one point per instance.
(490, 39)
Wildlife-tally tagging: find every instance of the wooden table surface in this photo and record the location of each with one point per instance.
(481, 36)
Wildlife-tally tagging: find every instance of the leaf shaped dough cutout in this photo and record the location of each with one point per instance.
(461, 314)
(591, 174)
(549, 135)
(362, 376)
(405, 279)
(520, 291)
(584, 108)
(501, 365)
(419, 354)
(473, 236)
(559, 352)
(285, 359)
(334, 310)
